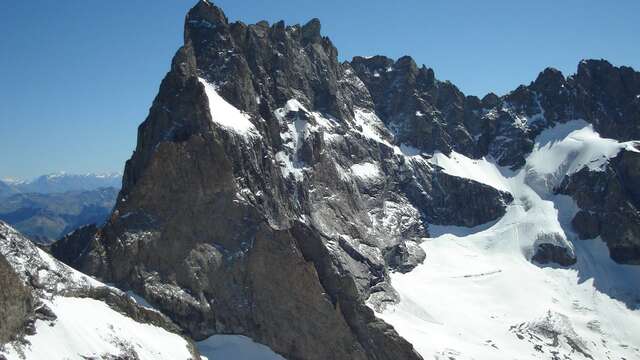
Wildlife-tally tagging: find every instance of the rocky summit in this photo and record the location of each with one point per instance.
(367, 210)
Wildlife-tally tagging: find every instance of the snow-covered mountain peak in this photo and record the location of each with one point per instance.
(62, 182)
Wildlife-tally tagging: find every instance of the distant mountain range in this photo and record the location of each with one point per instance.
(59, 183)
(50, 206)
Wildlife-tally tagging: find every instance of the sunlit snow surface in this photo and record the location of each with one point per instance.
(477, 296)
(87, 328)
(226, 115)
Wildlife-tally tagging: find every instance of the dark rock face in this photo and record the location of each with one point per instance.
(435, 116)
(424, 112)
(607, 96)
(285, 231)
(549, 253)
(72, 246)
(610, 205)
(15, 303)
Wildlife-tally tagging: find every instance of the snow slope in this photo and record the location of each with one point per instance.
(226, 115)
(83, 327)
(88, 328)
(478, 295)
(481, 170)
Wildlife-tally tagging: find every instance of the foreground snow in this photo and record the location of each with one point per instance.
(83, 327)
(478, 295)
(88, 328)
(473, 292)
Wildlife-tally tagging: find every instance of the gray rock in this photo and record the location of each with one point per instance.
(547, 253)
(610, 205)
(16, 303)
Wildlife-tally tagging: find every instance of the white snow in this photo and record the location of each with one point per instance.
(473, 288)
(296, 130)
(372, 126)
(140, 300)
(89, 328)
(366, 170)
(480, 170)
(567, 148)
(235, 347)
(288, 167)
(52, 275)
(291, 105)
(478, 291)
(226, 115)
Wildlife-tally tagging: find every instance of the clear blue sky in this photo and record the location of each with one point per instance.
(77, 77)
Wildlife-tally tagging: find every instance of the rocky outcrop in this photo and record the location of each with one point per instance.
(609, 205)
(422, 111)
(15, 303)
(547, 253)
(33, 283)
(73, 246)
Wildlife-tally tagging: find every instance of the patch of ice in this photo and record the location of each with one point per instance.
(366, 170)
(140, 300)
(226, 115)
(287, 166)
(234, 347)
(407, 150)
(481, 170)
(394, 218)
